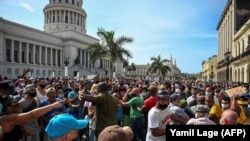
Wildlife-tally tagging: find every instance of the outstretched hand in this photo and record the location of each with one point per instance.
(59, 104)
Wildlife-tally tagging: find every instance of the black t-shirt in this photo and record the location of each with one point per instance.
(15, 135)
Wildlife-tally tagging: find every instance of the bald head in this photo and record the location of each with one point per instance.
(136, 91)
(229, 117)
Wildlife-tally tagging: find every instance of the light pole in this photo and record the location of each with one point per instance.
(53, 73)
(66, 63)
(78, 74)
(227, 59)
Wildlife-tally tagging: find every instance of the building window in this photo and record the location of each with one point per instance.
(8, 70)
(16, 71)
(44, 72)
(59, 73)
(38, 72)
(60, 1)
(49, 72)
(8, 55)
(73, 2)
(15, 56)
(66, 19)
(66, 1)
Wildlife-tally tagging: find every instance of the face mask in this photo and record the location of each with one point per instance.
(61, 96)
(143, 94)
(42, 85)
(162, 106)
(207, 93)
(33, 94)
(224, 106)
(221, 122)
(196, 115)
(110, 92)
(22, 84)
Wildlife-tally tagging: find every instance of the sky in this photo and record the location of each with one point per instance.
(185, 30)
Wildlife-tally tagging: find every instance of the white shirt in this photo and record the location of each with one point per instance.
(157, 119)
(189, 99)
(40, 96)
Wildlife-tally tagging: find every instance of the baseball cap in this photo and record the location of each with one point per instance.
(11, 98)
(116, 133)
(61, 124)
(174, 96)
(200, 108)
(153, 88)
(162, 94)
(243, 99)
(51, 89)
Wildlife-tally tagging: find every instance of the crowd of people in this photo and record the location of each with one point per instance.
(103, 109)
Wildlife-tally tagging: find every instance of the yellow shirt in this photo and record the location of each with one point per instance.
(216, 110)
(242, 118)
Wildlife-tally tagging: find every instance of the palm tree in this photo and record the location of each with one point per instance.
(158, 66)
(110, 47)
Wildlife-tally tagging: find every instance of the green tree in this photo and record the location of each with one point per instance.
(110, 47)
(132, 68)
(158, 66)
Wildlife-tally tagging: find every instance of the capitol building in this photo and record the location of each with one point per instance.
(48, 53)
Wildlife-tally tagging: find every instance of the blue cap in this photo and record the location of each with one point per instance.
(61, 124)
(174, 96)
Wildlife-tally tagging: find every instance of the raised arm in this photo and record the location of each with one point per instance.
(11, 120)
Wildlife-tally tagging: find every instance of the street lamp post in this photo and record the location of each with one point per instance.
(227, 59)
(66, 63)
(78, 74)
(53, 73)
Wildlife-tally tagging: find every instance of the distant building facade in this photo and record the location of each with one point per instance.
(209, 69)
(44, 52)
(142, 71)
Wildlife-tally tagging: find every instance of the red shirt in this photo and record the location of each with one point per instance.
(150, 102)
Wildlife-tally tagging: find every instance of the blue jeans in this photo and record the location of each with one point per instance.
(137, 126)
(91, 134)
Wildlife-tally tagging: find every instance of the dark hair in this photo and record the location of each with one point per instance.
(226, 98)
(40, 78)
(102, 87)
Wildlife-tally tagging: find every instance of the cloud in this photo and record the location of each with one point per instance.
(27, 7)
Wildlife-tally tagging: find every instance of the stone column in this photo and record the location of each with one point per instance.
(20, 52)
(46, 57)
(51, 57)
(61, 57)
(56, 58)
